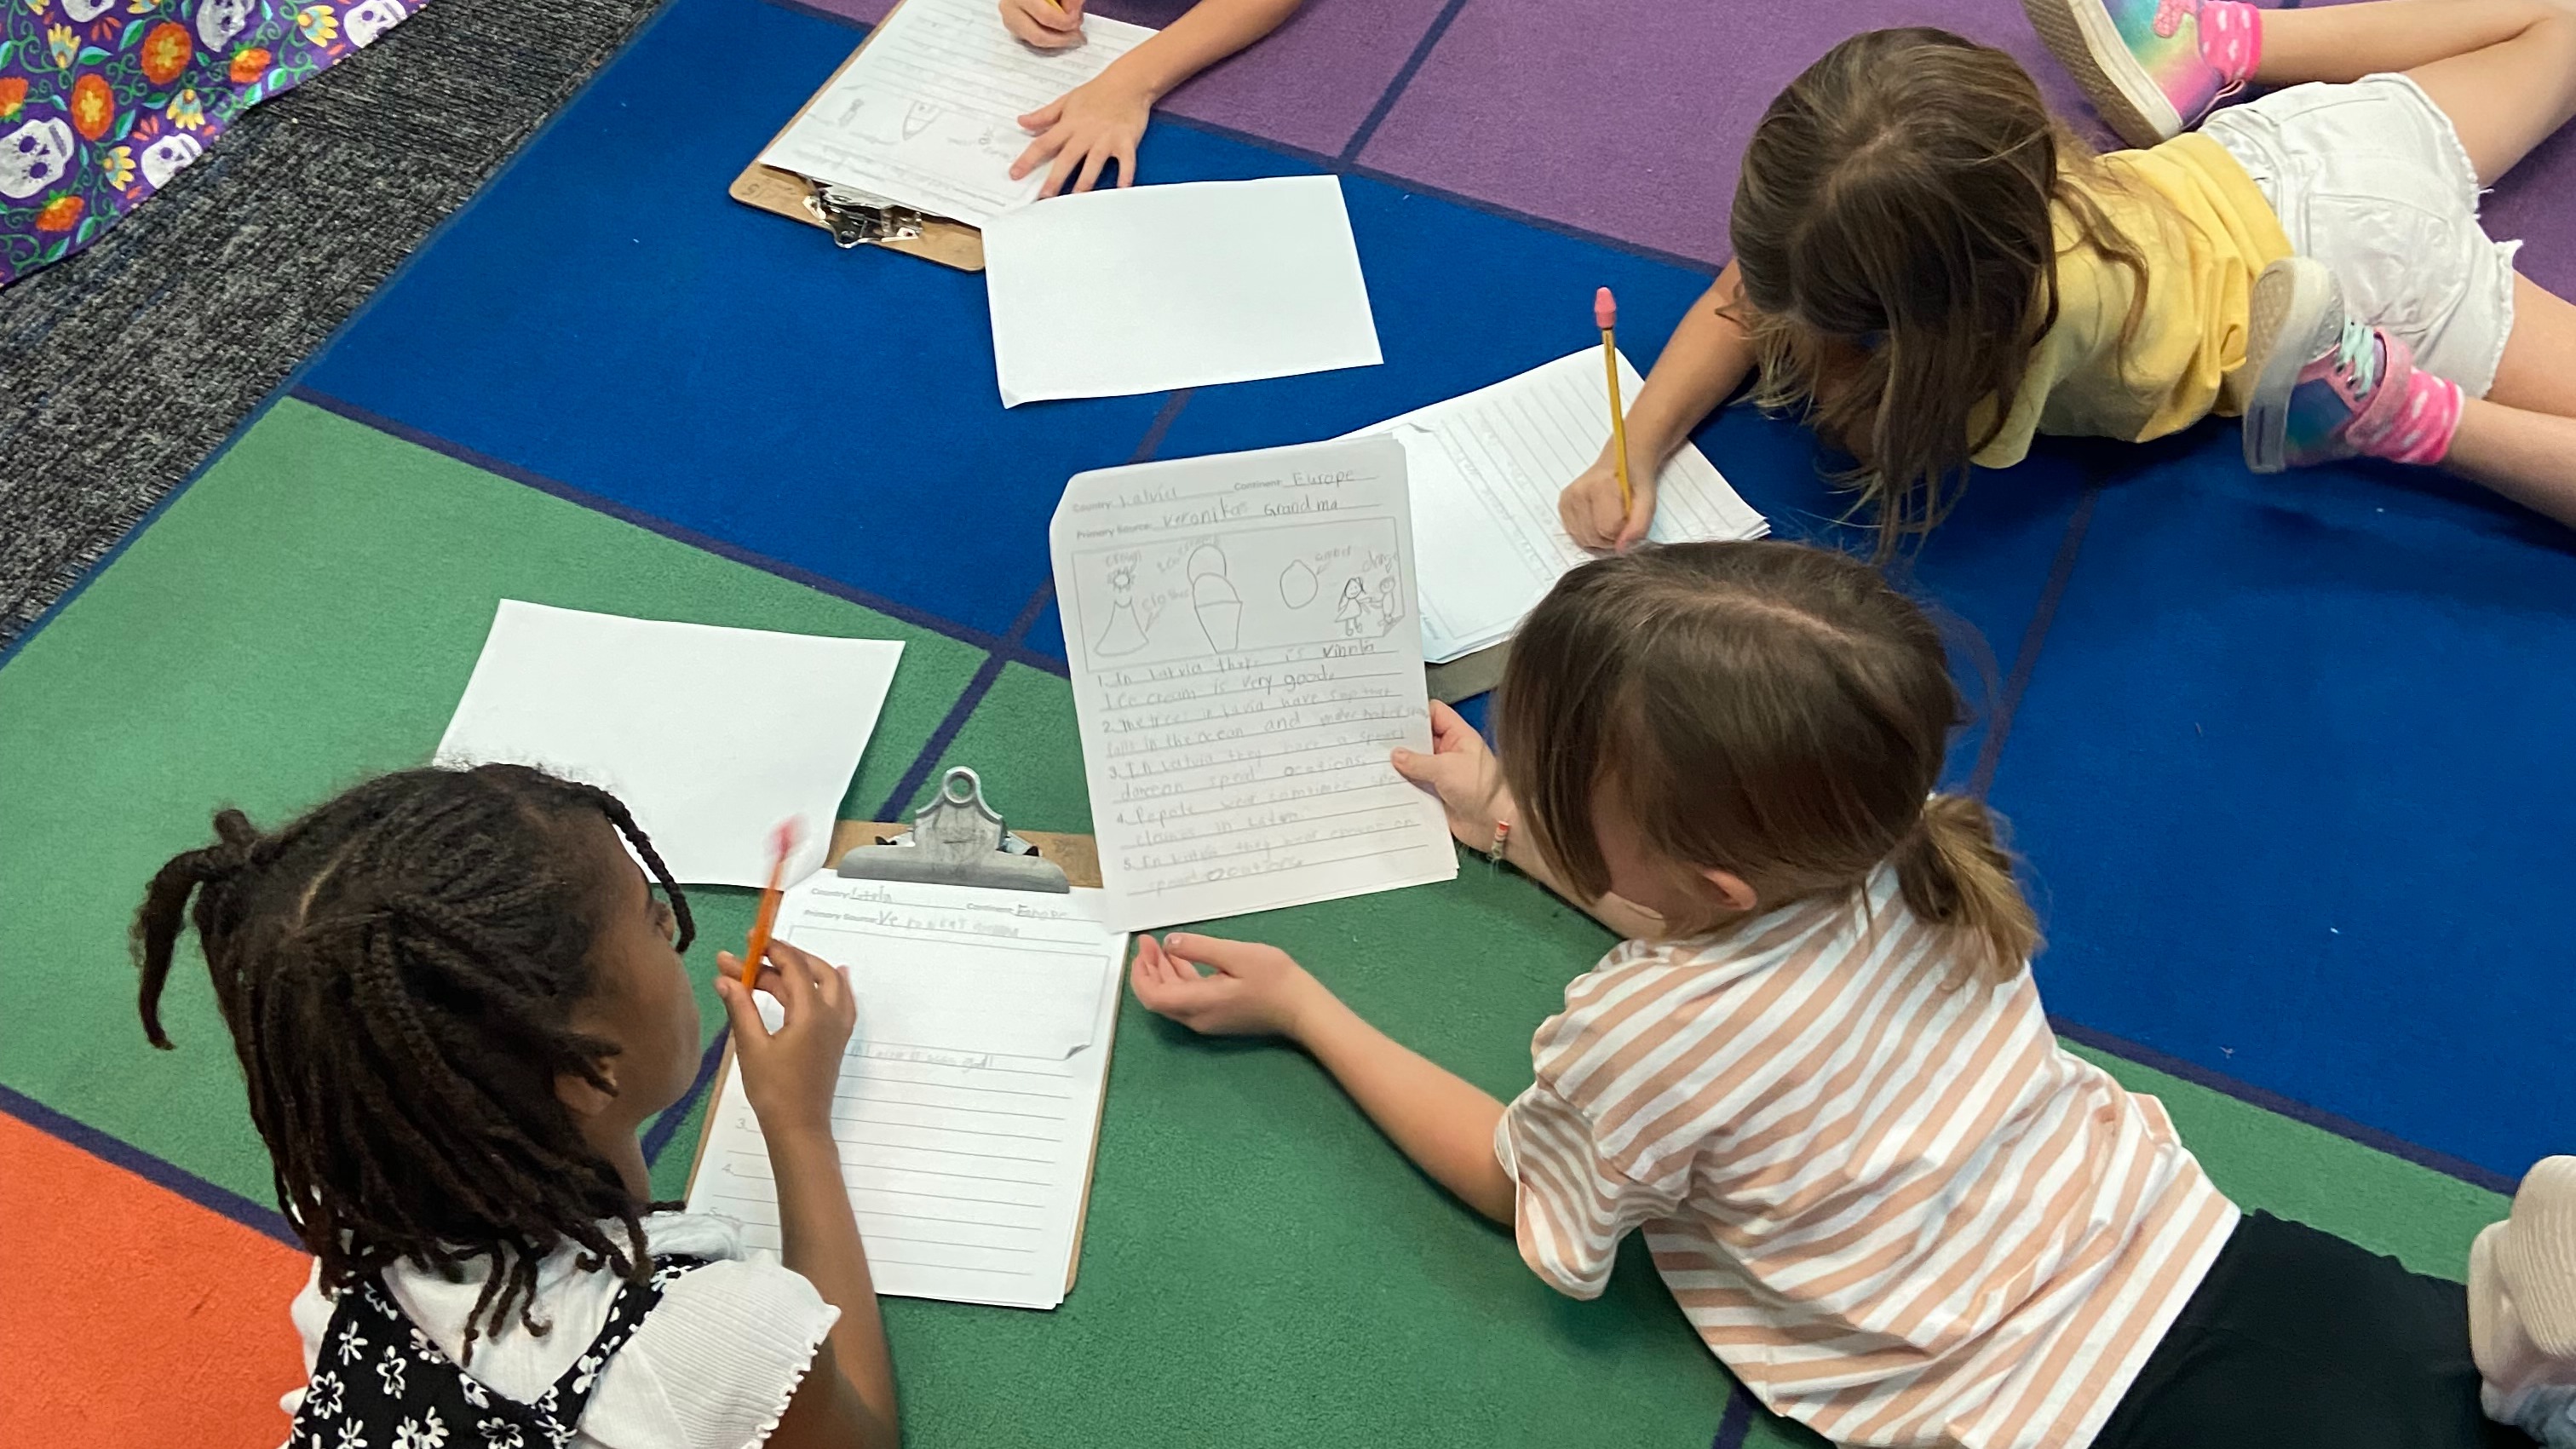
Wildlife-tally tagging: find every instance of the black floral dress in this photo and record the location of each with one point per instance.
(381, 1383)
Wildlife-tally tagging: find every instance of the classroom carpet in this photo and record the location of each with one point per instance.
(2284, 754)
(122, 368)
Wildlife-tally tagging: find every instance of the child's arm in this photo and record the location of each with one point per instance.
(1438, 1119)
(1707, 359)
(848, 1395)
(1101, 120)
(1468, 780)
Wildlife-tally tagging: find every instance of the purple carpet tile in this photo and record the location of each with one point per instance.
(1312, 82)
(1630, 120)
(2536, 203)
(1634, 131)
(1309, 85)
(865, 12)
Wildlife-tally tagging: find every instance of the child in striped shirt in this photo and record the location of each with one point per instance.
(1818, 1077)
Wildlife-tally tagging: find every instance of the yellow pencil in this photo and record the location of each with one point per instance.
(1605, 312)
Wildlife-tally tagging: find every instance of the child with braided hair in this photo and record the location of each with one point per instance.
(456, 999)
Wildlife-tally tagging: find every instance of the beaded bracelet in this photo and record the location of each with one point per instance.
(1502, 839)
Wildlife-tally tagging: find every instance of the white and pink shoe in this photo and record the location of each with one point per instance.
(2152, 68)
(2328, 385)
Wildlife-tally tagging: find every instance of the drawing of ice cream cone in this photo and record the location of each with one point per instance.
(1219, 607)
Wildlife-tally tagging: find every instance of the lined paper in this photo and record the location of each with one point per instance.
(970, 1097)
(1245, 653)
(928, 113)
(1486, 468)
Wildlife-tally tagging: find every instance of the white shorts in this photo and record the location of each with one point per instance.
(2370, 179)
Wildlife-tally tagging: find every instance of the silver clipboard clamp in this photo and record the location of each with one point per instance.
(957, 839)
(859, 218)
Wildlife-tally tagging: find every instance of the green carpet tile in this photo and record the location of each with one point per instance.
(304, 616)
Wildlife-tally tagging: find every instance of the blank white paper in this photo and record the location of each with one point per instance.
(967, 1161)
(928, 113)
(1485, 469)
(1245, 655)
(711, 736)
(1151, 288)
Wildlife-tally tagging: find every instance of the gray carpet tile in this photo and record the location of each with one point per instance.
(123, 367)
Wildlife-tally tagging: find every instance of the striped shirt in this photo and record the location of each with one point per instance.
(1882, 1193)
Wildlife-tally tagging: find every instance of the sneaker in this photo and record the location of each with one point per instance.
(2152, 68)
(2324, 381)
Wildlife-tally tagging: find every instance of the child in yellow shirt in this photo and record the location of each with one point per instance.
(1933, 269)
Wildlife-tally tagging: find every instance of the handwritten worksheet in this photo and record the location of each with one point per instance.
(927, 114)
(970, 1097)
(1246, 652)
(1486, 468)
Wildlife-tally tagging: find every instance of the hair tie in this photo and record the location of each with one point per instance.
(236, 841)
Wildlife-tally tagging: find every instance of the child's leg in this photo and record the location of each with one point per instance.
(2329, 386)
(2509, 97)
(2521, 440)
(2504, 71)
(2347, 42)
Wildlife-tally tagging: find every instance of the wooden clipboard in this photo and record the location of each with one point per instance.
(1079, 855)
(784, 193)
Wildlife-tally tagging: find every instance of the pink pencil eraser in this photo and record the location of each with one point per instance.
(1605, 310)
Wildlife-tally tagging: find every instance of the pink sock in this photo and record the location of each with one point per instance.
(2416, 425)
(2422, 432)
(2231, 39)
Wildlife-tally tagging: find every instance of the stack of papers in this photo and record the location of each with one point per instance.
(927, 113)
(711, 736)
(1122, 291)
(1486, 469)
(1245, 654)
(969, 1100)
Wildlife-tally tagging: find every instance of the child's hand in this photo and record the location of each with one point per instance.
(1093, 124)
(789, 1073)
(1466, 777)
(1256, 990)
(1043, 23)
(1590, 504)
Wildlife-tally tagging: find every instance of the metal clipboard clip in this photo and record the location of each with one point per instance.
(857, 218)
(959, 840)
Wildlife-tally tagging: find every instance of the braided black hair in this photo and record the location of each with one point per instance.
(399, 969)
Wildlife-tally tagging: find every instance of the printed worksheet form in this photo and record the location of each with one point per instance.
(1246, 652)
(1485, 470)
(970, 1098)
(928, 113)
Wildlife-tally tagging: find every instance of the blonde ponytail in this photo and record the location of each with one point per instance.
(1955, 872)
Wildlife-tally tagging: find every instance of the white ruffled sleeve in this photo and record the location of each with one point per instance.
(715, 1362)
(311, 1312)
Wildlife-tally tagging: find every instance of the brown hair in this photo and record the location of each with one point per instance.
(399, 970)
(1894, 227)
(1769, 709)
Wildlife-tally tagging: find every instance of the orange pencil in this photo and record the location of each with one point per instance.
(1605, 312)
(780, 844)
